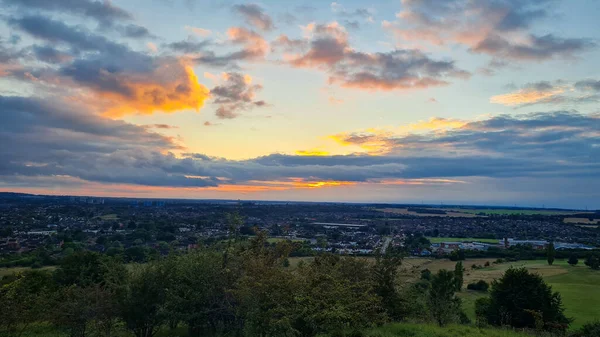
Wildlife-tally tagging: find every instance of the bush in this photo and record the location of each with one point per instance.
(480, 285)
(523, 300)
(589, 330)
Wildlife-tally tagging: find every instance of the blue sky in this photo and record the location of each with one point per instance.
(487, 102)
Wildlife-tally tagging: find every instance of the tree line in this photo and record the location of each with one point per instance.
(249, 288)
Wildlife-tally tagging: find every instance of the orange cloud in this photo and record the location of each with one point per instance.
(525, 96)
(424, 181)
(312, 152)
(172, 87)
(434, 124)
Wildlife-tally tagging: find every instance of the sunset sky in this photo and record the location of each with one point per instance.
(434, 101)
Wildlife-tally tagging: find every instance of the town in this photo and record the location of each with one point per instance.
(35, 230)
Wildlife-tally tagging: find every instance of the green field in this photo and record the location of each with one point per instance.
(9, 271)
(274, 240)
(499, 211)
(578, 286)
(109, 217)
(438, 240)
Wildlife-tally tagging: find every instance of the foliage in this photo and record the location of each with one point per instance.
(24, 301)
(519, 297)
(459, 276)
(142, 299)
(589, 330)
(385, 274)
(480, 285)
(593, 262)
(442, 301)
(573, 260)
(550, 253)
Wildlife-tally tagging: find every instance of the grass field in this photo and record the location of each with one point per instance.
(438, 240)
(499, 211)
(9, 271)
(577, 285)
(273, 240)
(107, 217)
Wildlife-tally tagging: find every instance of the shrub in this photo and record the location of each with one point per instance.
(517, 295)
(480, 285)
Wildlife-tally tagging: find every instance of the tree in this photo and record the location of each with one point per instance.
(593, 262)
(336, 294)
(76, 309)
(442, 301)
(25, 300)
(426, 274)
(385, 274)
(573, 260)
(550, 253)
(80, 268)
(520, 298)
(458, 276)
(142, 299)
(198, 293)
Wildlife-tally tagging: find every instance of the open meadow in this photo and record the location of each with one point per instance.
(578, 285)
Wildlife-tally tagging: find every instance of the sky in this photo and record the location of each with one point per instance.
(488, 102)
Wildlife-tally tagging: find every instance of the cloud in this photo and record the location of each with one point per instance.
(563, 138)
(588, 85)
(254, 48)
(57, 139)
(135, 31)
(50, 54)
(237, 94)
(53, 143)
(329, 50)
(189, 46)
(362, 13)
(531, 93)
(255, 16)
(103, 11)
(113, 79)
(198, 31)
(555, 93)
(497, 28)
(535, 48)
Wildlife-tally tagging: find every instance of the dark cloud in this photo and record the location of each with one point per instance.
(50, 54)
(51, 139)
(119, 80)
(588, 85)
(57, 140)
(56, 31)
(237, 94)
(189, 46)
(537, 48)
(255, 16)
(102, 11)
(135, 31)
